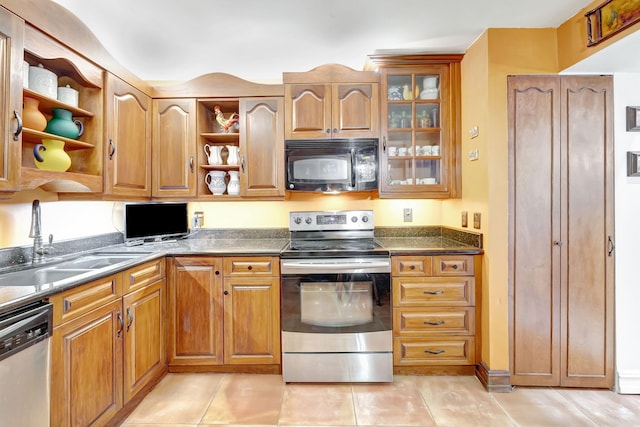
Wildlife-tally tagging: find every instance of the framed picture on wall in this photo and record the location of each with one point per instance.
(633, 119)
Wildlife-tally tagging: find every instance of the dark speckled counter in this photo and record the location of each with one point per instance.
(267, 242)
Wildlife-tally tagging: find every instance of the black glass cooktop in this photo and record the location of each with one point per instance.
(333, 248)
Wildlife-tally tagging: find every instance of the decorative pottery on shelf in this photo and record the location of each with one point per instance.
(62, 124)
(32, 117)
(233, 187)
(215, 182)
(50, 155)
(213, 153)
(233, 157)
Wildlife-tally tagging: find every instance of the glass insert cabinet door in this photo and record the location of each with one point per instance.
(415, 139)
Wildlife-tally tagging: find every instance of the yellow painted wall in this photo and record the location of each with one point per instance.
(485, 67)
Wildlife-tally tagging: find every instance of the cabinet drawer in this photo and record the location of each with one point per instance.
(453, 265)
(435, 291)
(77, 301)
(144, 274)
(411, 266)
(434, 351)
(255, 266)
(425, 320)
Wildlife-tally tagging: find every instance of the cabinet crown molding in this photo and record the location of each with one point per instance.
(216, 85)
(331, 73)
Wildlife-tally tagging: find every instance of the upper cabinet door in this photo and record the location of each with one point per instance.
(174, 148)
(261, 147)
(355, 110)
(308, 111)
(128, 145)
(11, 52)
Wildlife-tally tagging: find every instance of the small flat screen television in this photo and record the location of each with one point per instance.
(155, 221)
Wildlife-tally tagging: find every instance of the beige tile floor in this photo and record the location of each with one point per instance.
(190, 400)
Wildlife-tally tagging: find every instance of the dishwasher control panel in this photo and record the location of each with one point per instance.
(24, 327)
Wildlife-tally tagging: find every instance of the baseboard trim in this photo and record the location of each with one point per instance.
(494, 381)
(628, 382)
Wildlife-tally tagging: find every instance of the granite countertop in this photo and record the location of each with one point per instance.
(414, 240)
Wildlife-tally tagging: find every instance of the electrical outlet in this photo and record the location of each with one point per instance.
(473, 155)
(465, 218)
(408, 215)
(476, 220)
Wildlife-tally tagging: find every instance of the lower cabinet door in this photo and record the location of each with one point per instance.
(145, 345)
(86, 368)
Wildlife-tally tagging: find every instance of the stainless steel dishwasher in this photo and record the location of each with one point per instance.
(25, 365)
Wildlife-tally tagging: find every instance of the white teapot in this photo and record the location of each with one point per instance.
(213, 154)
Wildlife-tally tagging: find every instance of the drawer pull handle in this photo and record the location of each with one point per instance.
(439, 322)
(66, 305)
(455, 266)
(434, 351)
(412, 267)
(433, 292)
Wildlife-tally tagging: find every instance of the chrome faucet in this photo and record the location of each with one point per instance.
(36, 234)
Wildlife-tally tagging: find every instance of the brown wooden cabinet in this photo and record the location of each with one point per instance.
(107, 347)
(434, 313)
(560, 231)
(12, 38)
(331, 101)
(195, 311)
(420, 125)
(261, 147)
(224, 311)
(128, 136)
(174, 144)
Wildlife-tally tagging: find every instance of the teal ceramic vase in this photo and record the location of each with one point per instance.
(62, 124)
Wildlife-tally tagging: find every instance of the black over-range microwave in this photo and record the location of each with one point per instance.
(334, 165)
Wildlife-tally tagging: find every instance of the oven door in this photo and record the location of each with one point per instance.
(338, 305)
(336, 321)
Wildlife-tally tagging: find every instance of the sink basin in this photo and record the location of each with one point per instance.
(40, 276)
(66, 269)
(99, 261)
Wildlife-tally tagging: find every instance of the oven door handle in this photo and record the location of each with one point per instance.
(320, 267)
(353, 168)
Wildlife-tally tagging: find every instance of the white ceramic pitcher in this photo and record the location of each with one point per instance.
(233, 157)
(213, 153)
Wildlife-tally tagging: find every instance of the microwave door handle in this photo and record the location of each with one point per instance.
(353, 167)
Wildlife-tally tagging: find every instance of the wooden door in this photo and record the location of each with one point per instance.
(308, 109)
(261, 147)
(195, 311)
(174, 148)
(587, 196)
(145, 351)
(561, 219)
(86, 368)
(11, 53)
(534, 178)
(252, 320)
(355, 110)
(128, 148)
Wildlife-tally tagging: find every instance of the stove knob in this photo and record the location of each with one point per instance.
(308, 220)
(297, 220)
(365, 219)
(354, 219)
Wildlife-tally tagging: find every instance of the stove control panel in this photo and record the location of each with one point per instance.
(330, 220)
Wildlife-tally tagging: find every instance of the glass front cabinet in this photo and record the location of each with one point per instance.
(419, 147)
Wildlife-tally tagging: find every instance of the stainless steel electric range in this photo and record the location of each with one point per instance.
(336, 300)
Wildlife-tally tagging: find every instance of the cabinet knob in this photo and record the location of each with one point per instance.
(250, 268)
(335, 130)
(217, 273)
(412, 267)
(226, 292)
(328, 130)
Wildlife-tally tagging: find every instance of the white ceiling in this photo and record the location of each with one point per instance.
(259, 39)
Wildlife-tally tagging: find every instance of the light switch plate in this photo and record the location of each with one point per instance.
(465, 218)
(473, 155)
(476, 220)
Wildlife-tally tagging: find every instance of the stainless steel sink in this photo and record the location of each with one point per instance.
(64, 270)
(99, 261)
(40, 276)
